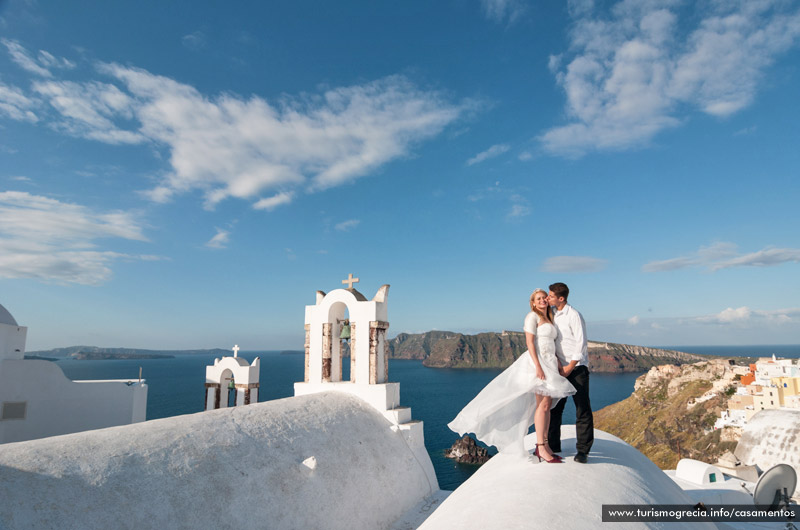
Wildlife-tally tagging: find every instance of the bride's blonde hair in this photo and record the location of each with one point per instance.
(549, 316)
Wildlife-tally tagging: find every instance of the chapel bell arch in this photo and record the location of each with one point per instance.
(369, 353)
(232, 374)
(369, 346)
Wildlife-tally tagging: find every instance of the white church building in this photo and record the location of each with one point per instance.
(37, 400)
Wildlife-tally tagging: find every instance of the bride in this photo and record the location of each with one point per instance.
(524, 393)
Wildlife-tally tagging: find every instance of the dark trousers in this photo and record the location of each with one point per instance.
(584, 421)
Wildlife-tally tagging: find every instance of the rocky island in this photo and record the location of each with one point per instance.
(445, 349)
(466, 450)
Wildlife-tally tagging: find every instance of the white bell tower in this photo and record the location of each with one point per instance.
(369, 352)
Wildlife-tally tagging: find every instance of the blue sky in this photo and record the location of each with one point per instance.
(187, 175)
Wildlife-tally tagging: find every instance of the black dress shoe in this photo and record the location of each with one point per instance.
(581, 458)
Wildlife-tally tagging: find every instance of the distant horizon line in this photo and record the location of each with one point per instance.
(659, 346)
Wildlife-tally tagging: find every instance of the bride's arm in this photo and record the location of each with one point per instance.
(530, 325)
(530, 340)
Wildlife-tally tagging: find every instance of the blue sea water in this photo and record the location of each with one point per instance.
(435, 395)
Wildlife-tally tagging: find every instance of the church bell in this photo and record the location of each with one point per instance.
(345, 334)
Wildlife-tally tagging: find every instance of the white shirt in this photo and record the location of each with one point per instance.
(571, 343)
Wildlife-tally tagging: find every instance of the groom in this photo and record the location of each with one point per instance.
(571, 349)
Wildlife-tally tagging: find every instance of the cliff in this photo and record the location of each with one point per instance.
(445, 349)
(672, 411)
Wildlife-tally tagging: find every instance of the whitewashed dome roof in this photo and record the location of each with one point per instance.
(5, 317)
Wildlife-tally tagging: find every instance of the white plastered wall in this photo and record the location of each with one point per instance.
(769, 438)
(12, 341)
(55, 405)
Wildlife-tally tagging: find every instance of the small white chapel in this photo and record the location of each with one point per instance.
(232, 376)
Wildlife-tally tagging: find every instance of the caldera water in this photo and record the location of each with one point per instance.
(435, 395)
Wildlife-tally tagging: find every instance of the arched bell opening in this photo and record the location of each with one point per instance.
(347, 339)
(338, 337)
(227, 389)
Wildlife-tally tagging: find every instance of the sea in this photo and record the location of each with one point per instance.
(435, 395)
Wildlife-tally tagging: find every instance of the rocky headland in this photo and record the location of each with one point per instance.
(467, 451)
(100, 356)
(444, 349)
(672, 411)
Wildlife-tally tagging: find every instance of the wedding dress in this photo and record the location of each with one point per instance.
(503, 411)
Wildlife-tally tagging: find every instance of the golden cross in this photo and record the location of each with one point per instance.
(350, 281)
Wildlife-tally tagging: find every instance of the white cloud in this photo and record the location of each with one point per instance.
(744, 316)
(573, 264)
(746, 131)
(502, 10)
(90, 110)
(724, 256)
(23, 59)
(16, 105)
(228, 146)
(631, 73)
(519, 207)
(519, 210)
(729, 315)
(730, 326)
(493, 151)
(36, 65)
(634, 320)
(233, 147)
(45, 239)
(743, 325)
(763, 258)
(346, 226)
(270, 203)
(194, 41)
(220, 239)
(49, 60)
